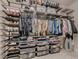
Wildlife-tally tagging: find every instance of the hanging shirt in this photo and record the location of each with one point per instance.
(50, 26)
(74, 29)
(55, 28)
(39, 26)
(65, 27)
(34, 26)
(45, 27)
(69, 27)
(59, 26)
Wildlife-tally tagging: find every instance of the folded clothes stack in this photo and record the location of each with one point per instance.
(54, 45)
(13, 52)
(14, 58)
(53, 41)
(27, 48)
(43, 48)
(12, 11)
(42, 41)
(41, 53)
(54, 50)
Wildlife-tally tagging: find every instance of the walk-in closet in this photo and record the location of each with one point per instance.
(38, 29)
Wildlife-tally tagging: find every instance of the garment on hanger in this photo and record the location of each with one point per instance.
(65, 27)
(59, 26)
(50, 26)
(39, 27)
(44, 27)
(74, 29)
(25, 25)
(56, 26)
(68, 42)
(69, 27)
(34, 26)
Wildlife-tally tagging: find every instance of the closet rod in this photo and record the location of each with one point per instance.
(70, 12)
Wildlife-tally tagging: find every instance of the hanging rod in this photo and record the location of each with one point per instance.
(70, 12)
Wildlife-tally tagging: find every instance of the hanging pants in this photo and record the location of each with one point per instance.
(68, 44)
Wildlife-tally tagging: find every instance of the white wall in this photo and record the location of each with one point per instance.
(74, 6)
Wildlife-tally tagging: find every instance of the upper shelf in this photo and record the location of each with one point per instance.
(9, 18)
(42, 13)
(11, 25)
(9, 30)
(10, 14)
